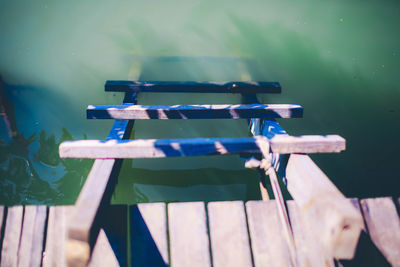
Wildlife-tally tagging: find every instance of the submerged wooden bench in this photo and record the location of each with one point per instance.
(332, 216)
(228, 233)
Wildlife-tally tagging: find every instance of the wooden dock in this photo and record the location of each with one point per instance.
(319, 227)
(229, 233)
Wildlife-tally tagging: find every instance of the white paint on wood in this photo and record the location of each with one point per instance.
(55, 251)
(155, 217)
(333, 218)
(189, 243)
(89, 199)
(309, 250)
(164, 112)
(159, 148)
(228, 234)
(266, 235)
(383, 225)
(31, 247)
(103, 254)
(12, 234)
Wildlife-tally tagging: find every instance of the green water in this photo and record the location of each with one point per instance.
(339, 59)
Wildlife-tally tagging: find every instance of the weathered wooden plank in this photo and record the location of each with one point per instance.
(113, 222)
(56, 237)
(228, 234)
(333, 218)
(148, 231)
(31, 247)
(103, 254)
(12, 234)
(309, 250)
(165, 112)
(266, 235)
(189, 243)
(159, 148)
(99, 181)
(193, 87)
(384, 226)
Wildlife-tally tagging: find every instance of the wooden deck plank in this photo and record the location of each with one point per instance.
(193, 87)
(55, 250)
(165, 112)
(383, 224)
(12, 234)
(266, 234)
(159, 148)
(103, 254)
(332, 216)
(309, 251)
(114, 223)
(148, 231)
(31, 247)
(189, 242)
(228, 234)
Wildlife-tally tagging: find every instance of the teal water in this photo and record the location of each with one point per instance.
(339, 59)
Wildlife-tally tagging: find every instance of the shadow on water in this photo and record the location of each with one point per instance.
(187, 178)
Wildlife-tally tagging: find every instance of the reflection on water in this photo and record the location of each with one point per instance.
(30, 169)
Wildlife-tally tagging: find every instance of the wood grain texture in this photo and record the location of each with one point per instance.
(189, 243)
(159, 148)
(165, 112)
(228, 234)
(333, 217)
(148, 231)
(193, 87)
(103, 254)
(309, 250)
(55, 250)
(12, 234)
(93, 192)
(31, 246)
(383, 224)
(89, 199)
(266, 234)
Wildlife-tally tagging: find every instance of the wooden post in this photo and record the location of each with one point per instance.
(82, 229)
(336, 222)
(334, 219)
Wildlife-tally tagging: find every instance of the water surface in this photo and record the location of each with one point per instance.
(340, 60)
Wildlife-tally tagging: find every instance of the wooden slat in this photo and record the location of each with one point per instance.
(383, 224)
(88, 202)
(266, 233)
(56, 237)
(148, 231)
(103, 254)
(113, 222)
(309, 250)
(189, 243)
(12, 234)
(165, 112)
(31, 247)
(228, 234)
(94, 191)
(332, 216)
(159, 148)
(193, 87)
